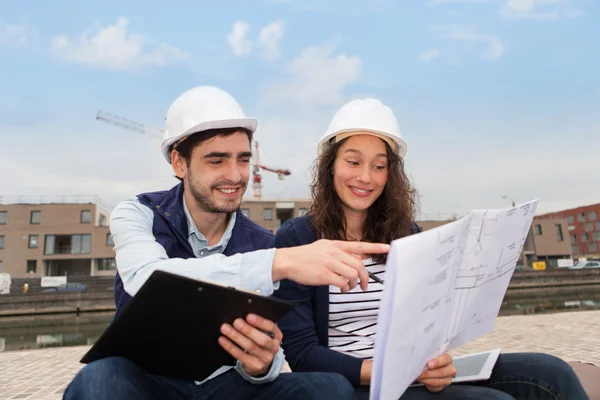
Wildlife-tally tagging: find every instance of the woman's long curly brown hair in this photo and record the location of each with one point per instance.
(390, 217)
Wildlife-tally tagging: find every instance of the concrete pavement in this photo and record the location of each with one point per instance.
(573, 336)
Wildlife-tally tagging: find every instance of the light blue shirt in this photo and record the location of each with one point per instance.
(138, 255)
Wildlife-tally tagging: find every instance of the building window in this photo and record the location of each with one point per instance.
(106, 264)
(86, 217)
(0, 265)
(598, 225)
(268, 214)
(597, 236)
(1, 241)
(538, 229)
(35, 217)
(3, 217)
(592, 248)
(592, 215)
(67, 244)
(574, 239)
(33, 241)
(589, 227)
(575, 249)
(570, 220)
(581, 217)
(246, 212)
(109, 240)
(559, 233)
(81, 244)
(301, 212)
(102, 220)
(584, 237)
(31, 266)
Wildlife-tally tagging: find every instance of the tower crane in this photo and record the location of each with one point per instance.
(257, 177)
(128, 124)
(134, 126)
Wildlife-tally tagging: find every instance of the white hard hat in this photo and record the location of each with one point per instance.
(200, 109)
(364, 116)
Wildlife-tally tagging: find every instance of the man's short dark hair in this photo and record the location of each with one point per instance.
(186, 147)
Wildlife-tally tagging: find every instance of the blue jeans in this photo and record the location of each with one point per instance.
(515, 376)
(117, 378)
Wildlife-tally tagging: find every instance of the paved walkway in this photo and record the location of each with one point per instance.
(43, 374)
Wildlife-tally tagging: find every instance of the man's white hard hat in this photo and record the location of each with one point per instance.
(364, 116)
(199, 109)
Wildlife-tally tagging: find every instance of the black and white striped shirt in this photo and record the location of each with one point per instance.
(353, 315)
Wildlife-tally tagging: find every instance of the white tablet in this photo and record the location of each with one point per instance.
(473, 367)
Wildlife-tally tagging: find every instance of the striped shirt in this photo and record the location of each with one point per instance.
(353, 315)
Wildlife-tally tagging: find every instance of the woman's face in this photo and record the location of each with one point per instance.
(360, 171)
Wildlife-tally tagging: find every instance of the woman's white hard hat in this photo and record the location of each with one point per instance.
(364, 116)
(199, 109)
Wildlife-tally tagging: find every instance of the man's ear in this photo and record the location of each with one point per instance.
(179, 164)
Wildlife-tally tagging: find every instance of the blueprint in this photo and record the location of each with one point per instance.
(443, 288)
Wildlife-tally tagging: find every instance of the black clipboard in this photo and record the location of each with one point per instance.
(172, 324)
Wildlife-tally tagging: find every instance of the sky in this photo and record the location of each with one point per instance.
(498, 100)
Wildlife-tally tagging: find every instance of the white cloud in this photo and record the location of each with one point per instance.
(17, 34)
(269, 39)
(318, 76)
(525, 9)
(115, 47)
(437, 2)
(429, 55)
(238, 40)
(538, 9)
(494, 48)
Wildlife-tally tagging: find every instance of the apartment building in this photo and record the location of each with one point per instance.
(272, 213)
(547, 241)
(583, 229)
(55, 239)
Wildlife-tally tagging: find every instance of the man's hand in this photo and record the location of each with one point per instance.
(439, 373)
(257, 348)
(326, 262)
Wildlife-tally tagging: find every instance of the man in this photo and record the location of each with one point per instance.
(197, 230)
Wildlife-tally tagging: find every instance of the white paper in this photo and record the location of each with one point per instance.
(444, 287)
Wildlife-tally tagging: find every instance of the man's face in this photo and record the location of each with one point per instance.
(218, 173)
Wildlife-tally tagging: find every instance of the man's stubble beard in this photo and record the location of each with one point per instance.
(202, 196)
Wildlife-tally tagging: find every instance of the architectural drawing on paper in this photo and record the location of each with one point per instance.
(486, 255)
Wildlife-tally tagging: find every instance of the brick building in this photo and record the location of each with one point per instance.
(583, 229)
(38, 239)
(272, 213)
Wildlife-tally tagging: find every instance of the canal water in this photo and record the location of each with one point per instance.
(37, 332)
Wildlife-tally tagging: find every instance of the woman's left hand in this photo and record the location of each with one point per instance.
(439, 373)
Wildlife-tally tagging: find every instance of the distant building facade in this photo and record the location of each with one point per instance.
(583, 229)
(39, 240)
(272, 213)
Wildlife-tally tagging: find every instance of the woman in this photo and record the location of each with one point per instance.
(361, 192)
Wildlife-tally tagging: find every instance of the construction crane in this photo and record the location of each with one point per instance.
(128, 124)
(257, 177)
(134, 126)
